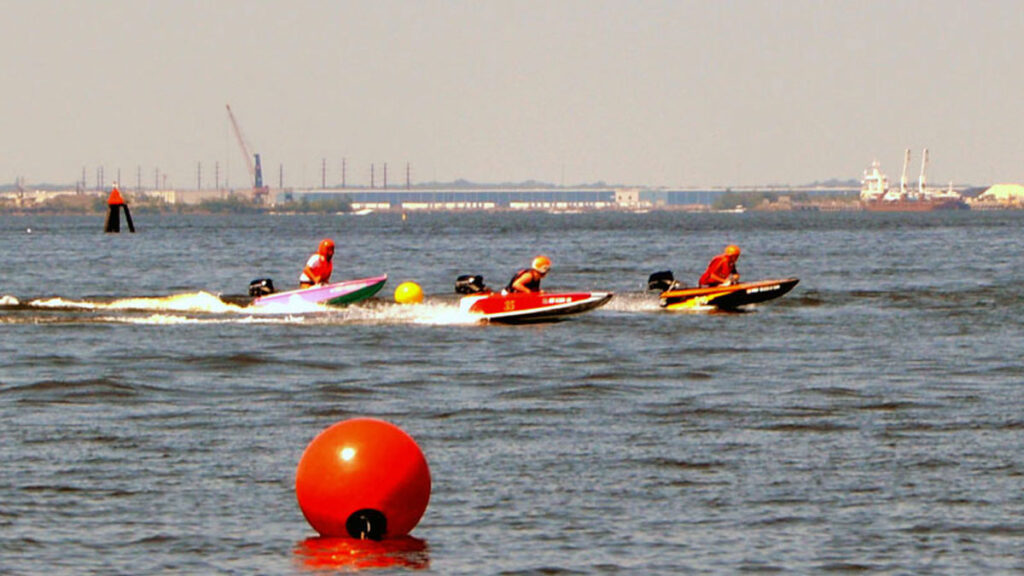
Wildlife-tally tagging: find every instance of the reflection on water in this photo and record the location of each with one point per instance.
(349, 554)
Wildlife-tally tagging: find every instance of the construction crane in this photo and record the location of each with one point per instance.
(252, 162)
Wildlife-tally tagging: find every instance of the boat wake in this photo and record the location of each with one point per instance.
(633, 302)
(207, 308)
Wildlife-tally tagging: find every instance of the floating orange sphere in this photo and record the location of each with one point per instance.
(363, 478)
(408, 293)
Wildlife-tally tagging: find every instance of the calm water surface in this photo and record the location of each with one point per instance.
(871, 420)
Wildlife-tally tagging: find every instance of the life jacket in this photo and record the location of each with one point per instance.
(533, 284)
(320, 266)
(719, 265)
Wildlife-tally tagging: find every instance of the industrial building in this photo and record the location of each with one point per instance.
(531, 198)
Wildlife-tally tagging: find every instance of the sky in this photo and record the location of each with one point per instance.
(675, 93)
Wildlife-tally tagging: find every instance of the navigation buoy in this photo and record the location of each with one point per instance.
(408, 293)
(363, 478)
(114, 205)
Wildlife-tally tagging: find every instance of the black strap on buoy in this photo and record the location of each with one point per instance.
(366, 524)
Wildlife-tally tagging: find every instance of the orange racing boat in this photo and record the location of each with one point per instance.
(731, 297)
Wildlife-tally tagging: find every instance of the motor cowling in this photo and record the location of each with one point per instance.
(469, 284)
(261, 287)
(661, 281)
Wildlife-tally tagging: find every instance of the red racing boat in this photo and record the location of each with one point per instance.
(517, 308)
(533, 307)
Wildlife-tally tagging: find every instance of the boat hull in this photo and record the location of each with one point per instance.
(337, 294)
(517, 308)
(913, 205)
(726, 297)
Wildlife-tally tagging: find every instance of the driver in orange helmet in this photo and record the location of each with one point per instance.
(318, 267)
(722, 268)
(528, 279)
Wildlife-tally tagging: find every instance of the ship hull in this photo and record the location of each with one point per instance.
(913, 205)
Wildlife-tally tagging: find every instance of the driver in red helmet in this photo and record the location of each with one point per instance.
(528, 280)
(318, 267)
(722, 268)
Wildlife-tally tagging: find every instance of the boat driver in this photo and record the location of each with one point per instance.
(722, 268)
(318, 267)
(528, 280)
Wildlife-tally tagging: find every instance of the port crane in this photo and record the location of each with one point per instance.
(252, 162)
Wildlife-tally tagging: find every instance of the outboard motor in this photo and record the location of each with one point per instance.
(469, 284)
(261, 287)
(661, 281)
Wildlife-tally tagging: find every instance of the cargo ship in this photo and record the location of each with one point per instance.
(877, 196)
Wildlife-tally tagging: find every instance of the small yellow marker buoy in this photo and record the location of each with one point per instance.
(408, 293)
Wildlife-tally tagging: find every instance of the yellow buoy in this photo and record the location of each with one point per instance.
(408, 293)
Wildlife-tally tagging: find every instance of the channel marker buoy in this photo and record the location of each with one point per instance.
(408, 293)
(363, 478)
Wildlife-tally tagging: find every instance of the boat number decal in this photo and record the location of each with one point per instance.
(763, 289)
(509, 305)
(558, 300)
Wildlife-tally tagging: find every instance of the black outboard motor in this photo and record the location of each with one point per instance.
(261, 287)
(469, 284)
(661, 281)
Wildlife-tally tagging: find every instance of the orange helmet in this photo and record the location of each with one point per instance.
(542, 264)
(326, 246)
(732, 250)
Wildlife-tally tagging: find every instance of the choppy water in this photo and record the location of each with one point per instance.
(871, 420)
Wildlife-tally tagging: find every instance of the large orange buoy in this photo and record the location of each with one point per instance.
(363, 478)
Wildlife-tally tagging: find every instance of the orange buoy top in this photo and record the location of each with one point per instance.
(115, 198)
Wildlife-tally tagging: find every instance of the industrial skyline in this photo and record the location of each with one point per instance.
(649, 93)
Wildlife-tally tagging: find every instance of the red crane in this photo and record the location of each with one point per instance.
(252, 162)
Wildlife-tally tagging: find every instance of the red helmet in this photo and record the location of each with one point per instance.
(326, 247)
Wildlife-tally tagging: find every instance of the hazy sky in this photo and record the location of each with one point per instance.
(660, 93)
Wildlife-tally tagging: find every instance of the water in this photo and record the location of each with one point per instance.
(870, 420)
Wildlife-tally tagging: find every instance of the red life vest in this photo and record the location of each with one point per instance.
(720, 266)
(319, 266)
